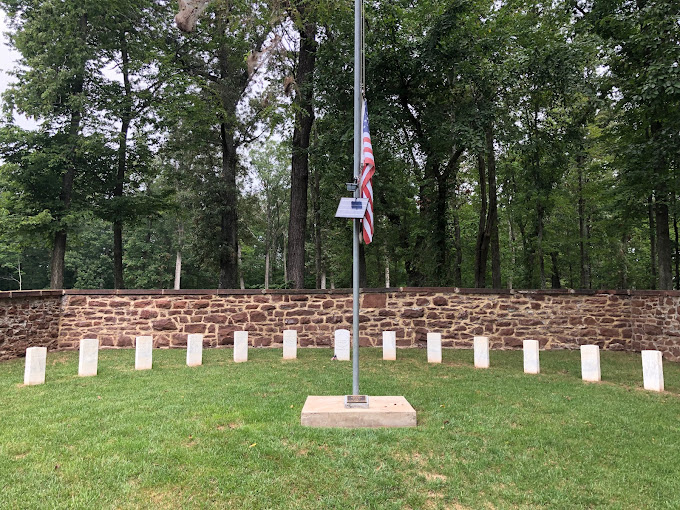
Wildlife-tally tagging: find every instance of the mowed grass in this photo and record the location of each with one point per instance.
(226, 435)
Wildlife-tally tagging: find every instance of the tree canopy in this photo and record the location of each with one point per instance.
(518, 144)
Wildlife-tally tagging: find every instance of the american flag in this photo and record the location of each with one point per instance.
(366, 182)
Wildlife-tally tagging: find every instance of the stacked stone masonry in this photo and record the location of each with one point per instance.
(28, 319)
(615, 320)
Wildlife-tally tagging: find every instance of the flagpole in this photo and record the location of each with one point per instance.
(357, 194)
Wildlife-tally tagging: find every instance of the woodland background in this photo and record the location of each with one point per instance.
(518, 143)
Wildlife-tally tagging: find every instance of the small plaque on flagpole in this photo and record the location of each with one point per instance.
(356, 401)
(354, 208)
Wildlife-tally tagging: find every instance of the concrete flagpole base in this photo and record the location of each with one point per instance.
(330, 411)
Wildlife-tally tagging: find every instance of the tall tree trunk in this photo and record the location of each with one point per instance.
(661, 199)
(387, 273)
(513, 254)
(663, 244)
(266, 270)
(676, 247)
(316, 206)
(434, 212)
(492, 221)
(529, 255)
(228, 236)
(285, 265)
(624, 266)
(458, 247)
(57, 260)
(178, 270)
(68, 177)
(441, 228)
(178, 256)
(555, 280)
(652, 242)
(483, 240)
(583, 234)
(242, 283)
(304, 118)
(269, 239)
(539, 250)
(126, 118)
(487, 234)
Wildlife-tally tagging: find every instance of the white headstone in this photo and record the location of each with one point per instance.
(144, 348)
(89, 356)
(531, 361)
(342, 344)
(240, 346)
(289, 344)
(194, 349)
(481, 344)
(434, 347)
(590, 363)
(389, 345)
(36, 359)
(652, 370)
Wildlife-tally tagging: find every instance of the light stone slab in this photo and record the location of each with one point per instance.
(89, 356)
(36, 360)
(590, 363)
(481, 344)
(289, 344)
(652, 370)
(240, 346)
(434, 347)
(531, 360)
(143, 352)
(330, 411)
(389, 345)
(195, 349)
(342, 344)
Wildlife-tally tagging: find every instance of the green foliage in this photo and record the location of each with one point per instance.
(581, 100)
(89, 260)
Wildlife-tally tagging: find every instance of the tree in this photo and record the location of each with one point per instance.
(133, 41)
(642, 52)
(56, 45)
(273, 176)
(302, 14)
(232, 31)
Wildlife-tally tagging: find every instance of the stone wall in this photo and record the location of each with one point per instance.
(28, 319)
(657, 322)
(617, 320)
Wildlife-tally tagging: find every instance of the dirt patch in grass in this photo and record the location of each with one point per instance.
(299, 450)
(430, 477)
(157, 498)
(231, 426)
(416, 458)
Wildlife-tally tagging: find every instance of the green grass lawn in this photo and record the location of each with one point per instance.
(228, 435)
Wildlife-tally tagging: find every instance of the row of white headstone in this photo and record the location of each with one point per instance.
(652, 364)
(36, 357)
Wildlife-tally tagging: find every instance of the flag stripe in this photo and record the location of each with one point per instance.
(366, 180)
